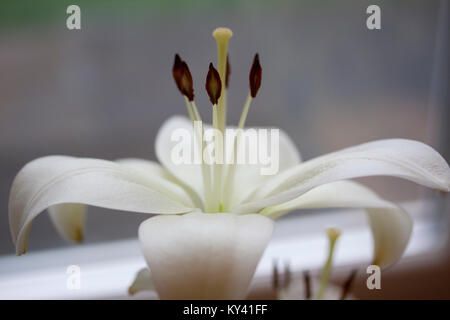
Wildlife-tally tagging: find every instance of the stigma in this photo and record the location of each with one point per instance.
(222, 34)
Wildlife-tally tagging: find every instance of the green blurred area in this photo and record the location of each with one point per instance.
(26, 13)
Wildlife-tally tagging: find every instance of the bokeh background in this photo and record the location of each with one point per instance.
(104, 90)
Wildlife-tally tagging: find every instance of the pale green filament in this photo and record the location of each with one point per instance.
(206, 171)
(333, 235)
(189, 109)
(218, 152)
(196, 114)
(245, 112)
(229, 181)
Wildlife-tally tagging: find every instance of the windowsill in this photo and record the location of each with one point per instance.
(108, 269)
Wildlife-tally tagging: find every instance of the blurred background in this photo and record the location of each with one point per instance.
(328, 81)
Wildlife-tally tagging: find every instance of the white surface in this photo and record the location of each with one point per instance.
(108, 269)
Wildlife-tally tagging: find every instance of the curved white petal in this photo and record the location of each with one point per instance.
(166, 140)
(407, 159)
(204, 256)
(142, 282)
(151, 167)
(391, 226)
(248, 176)
(185, 193)
(55, 180)
(68, 219)
(391, 230)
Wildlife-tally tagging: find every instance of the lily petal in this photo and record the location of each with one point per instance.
(142, 282)
(188, 173)
(152, 169)
(68, 219)
(204, 256)
(407, 159)
(56, 180)
(249, 176)
(391, 226)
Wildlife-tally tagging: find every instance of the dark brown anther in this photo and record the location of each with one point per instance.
(307, 280)
(287, 275)
(255, 76)
(177, 61)
(275, 275)
(176, 71)
(227, 73)
(213, 84)
(348, 284)
(183, 78)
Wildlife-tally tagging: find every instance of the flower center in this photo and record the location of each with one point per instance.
(218, 179)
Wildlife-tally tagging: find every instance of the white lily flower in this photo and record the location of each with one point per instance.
(214, 221)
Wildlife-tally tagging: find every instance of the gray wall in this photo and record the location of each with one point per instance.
(103, 91)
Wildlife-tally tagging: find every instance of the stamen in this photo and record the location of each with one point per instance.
(206, 172)
(348, 284)
(275, 275)
(255, 76)
(333, 235)
(189, 109)
(183, 78)
(176, 70)
(213, 85)
(307, 280)
(229, 179)
(196, 113)
(287, 275)
(217, 169)
(244, 113)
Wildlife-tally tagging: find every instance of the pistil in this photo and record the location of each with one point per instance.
(222, 36)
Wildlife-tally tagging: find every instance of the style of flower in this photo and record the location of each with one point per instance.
(214, 221)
